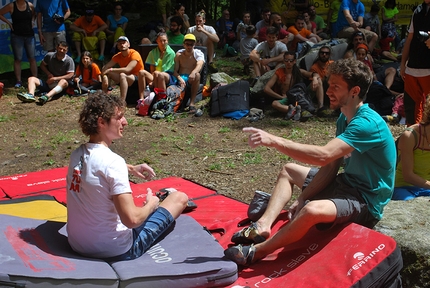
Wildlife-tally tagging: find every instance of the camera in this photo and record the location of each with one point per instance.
(423, 36)
(57, 17)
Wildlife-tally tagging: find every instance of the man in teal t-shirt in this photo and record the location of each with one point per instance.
(363, 145)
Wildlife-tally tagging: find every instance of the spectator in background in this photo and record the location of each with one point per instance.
(301, 34)
(415, 66)
(59, 68)
(310, 25)
(269, 54)
(21, 35)
(389, 18)
(276, 21)
(319, 21)
(86, 26)
(265, 19)
(174, 35)
(241, 29)
(247, 44)
(350, 20)
(413, 169)
(116, 25)
(205, 36)
(52, 29)
(180, 11)
(385, 47)
(332, 15)
(88, 75)
(371, 20)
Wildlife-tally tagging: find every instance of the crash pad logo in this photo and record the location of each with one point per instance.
(358, 256)
(363, 259)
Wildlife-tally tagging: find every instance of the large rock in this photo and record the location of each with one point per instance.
(408, 223)
(221, 78)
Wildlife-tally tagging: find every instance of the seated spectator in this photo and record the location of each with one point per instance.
(241, 29)
(361, 55)
(319, 21)
(205, 36)
(59, 68)
(350, 19)
(301, 34)
(174, 35)
(88, 75)
(180, 12)
(385, 47)
(161, 61)
(247, 44)
(129, 62)
(89, 29)
(265, 19)
(371, 20)
(269, 54)
(356, 39)
(310, 25)
(188, 64)
(276, 21)
(397, 112)
(116, 25)
(413, 168)
(224, 27)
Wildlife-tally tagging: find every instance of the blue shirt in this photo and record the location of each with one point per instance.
(48, 8)
(113, 24)
(355, 9)
(370, 168)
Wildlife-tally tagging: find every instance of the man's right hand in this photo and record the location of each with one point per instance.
(152, 201)
(258, 137)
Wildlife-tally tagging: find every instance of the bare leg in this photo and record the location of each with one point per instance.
(33, 82)
(142, 81)
(102, 44)
(78, 48)
(17, 69)
(194, 89)
(175, 203)
(280, 107)
(390, 73)
(33, 67)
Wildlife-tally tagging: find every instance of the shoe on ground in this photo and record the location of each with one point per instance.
(305, 116)
(198, 113)
(101, 57)
(212, 67)
(241, 255)
(26, 97)
(248, 235)
(394, 119)
(298, 114)
(42, 99)
(231, 51)
(290, 113)
(18, 84)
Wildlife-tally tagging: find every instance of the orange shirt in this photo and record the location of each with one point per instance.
(322, 71)
(304, 32)
(132, 55)
(95, 71)
(89, 28)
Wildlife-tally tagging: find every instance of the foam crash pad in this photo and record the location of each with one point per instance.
(43, 207)
(51, 182)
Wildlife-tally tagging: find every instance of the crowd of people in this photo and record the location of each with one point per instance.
(363, 144)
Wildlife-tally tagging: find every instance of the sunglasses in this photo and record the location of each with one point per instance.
(324, 53)
(358, 34)
(289, 60)
(188, 44)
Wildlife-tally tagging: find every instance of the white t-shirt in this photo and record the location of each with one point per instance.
(201, 37)
(93, 225)
(265, 52)
(198, 54)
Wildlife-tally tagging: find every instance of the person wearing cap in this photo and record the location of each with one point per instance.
(51, 29)
(129, 62)
(188, 64)
(87, 26)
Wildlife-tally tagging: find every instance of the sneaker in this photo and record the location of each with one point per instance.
(298, 113)
(26, 97)
(18, 84)
(290, 113)
(212, 67)
(102, 58)
(241, 255)
(43, 99)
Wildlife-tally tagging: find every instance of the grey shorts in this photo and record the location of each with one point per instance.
(350, 206)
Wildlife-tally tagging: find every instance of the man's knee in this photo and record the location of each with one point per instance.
(63, 83)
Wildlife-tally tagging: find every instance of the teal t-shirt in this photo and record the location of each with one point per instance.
(371, 166)
(168, 61)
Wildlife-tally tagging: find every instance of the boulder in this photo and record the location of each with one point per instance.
(221, 78)
(408, 223)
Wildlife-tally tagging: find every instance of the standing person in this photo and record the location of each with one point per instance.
(180, 12)
(358, 195)
(413, 169)
(102, 219)
(116, 24)
(206, 36)
(51, 15)
(188, 64)
(59, 68)
(89, 25)
(21, 35)
(332, 15)
(350, 20)
(88, 75)
(416, 73)
(129, 62)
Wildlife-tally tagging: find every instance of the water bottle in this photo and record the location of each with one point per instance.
(146, 92)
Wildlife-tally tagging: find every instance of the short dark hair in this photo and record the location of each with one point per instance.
(291, 53)
(272, 31)
(300, 17)
(250, 30)
(98, 105)
(63, 43)
(354, 73)
(178, 20)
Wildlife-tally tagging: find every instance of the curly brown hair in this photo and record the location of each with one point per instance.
(98, 105)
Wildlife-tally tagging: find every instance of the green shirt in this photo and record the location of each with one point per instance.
(175, 39)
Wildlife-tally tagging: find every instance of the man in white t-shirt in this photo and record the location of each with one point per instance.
(268, 54)
(102, 219)
(205, 36)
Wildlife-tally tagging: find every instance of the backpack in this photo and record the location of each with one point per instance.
(298, 94)
(380, 98)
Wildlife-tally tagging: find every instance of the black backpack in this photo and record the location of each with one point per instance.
(298, 94)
